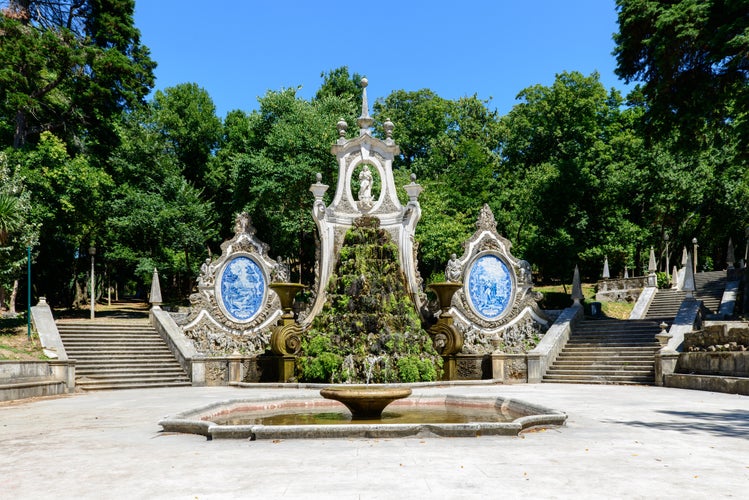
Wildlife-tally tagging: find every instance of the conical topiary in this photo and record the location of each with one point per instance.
(369, 330)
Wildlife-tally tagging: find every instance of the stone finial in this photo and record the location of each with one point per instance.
(413, 190)
(626, 272)
(318, 189)
(652, 266)
(388, 126)
(364, 121)
(688, 286)
(342, 128)
(486, 219)
(730, 258)
(606, 273)
(243, 224)
(155, 297)
(675, 278)
(684, 256)
(577, 287)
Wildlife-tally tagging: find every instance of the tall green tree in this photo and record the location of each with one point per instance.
(556, 153)
(287, 145)
(69, 67)
(17, 231)
(186, 117)
(692, 57)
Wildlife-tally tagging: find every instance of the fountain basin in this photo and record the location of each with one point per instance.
(365, 402)
(508, 417)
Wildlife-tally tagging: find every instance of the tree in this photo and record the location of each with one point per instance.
(288, 143)
(556, 153)
(420, 118)
(692, 57)
(69, 67)
(70, 201)
(17, 231)
(186, 117)
(157, 218)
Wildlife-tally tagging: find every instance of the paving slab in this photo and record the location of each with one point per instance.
(619, 442)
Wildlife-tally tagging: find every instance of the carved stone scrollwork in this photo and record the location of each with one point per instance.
(446, 337)
(286, 340)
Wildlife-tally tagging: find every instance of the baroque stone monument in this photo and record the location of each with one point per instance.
(369, 161)
(233, 308)
(496, 300)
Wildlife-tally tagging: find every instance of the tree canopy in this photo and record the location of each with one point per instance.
(574, 172)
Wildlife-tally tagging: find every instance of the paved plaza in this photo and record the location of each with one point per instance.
(619, 442)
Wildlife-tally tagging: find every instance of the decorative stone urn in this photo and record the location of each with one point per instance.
(448, 340)
(365, 403)
(286, 336)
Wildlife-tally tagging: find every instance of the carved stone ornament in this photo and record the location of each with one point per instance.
(368, 161)
(497, 294)
(233, 307)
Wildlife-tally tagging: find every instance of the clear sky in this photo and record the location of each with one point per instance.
(239, 49)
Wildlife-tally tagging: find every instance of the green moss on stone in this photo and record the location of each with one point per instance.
(369, 330)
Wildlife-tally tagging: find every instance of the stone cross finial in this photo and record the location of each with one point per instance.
(577, 287)
(606, 273)
(364, 121)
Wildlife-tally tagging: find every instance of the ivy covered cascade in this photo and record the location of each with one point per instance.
(369, 330)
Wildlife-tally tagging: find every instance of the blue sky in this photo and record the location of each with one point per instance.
(239, 49)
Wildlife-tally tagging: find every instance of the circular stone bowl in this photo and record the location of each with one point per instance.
(365, 402)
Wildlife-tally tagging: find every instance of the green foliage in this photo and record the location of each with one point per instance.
(691, 56)
(17, 230)
(368, 330)
(663, 280)
(70, 67)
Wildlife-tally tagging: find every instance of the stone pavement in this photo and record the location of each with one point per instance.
(619, 442)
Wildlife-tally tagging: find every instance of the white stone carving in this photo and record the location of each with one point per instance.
(371, 155)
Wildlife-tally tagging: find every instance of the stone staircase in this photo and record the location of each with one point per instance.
(608, 352)
(709, 289)
(665, 304)
(122, 355)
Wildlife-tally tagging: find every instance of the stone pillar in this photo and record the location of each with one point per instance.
(577, 287)
(198, 370)
(606, 273)
(155, 297)
(652, 277)
(235, 367)
(665, 364)
(688, 285)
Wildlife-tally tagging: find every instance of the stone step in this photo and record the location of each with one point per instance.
(120, 356)
(605, 350)
(104, 385)
(572, 379)
(595, 364)
(597, 358)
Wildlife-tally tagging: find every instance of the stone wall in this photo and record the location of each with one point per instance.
(730, 364)
(718, 337)
(620, 289)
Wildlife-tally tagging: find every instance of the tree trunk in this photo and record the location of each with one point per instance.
(2, 298)
(19, 137)
(12, 301)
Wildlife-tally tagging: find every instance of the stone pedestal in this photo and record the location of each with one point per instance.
(449, 368)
